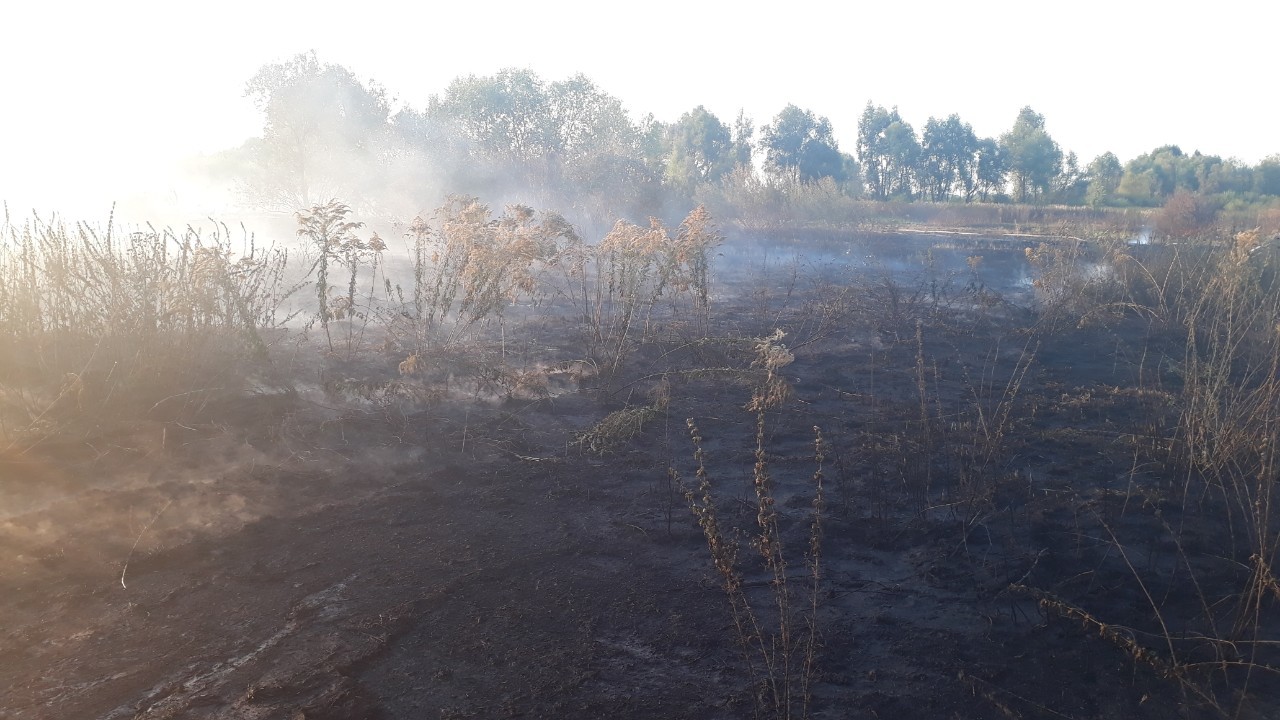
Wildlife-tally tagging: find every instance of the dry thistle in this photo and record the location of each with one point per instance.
(724, 554)
(409, 366)
(771, 355)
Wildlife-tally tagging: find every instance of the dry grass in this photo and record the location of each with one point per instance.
(617, 285)
(617, 429)
(1216, 304)
(99, 324)
(468, 266)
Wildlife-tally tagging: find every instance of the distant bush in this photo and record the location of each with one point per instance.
(1184, 216)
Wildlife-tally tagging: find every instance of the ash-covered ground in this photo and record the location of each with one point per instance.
(323, 547)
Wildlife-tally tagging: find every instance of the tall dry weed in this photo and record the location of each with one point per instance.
(618, 284)
(137, 318)
(469, 265)
(778, 635)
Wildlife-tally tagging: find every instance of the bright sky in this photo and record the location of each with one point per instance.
(101, 99)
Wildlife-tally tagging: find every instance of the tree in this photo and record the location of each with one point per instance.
(1103, 175)
(702, 150)
(1137, 187)
(1168, 169)
(852, 183)
(948, 150)
(797, 142)
(1211, 175)
(743, 137)
(1033, 158)
(1152, 178)
(323, 133)
(1165, 166)
(1230, 176)
(1070, 185)
(989, 169)
(654, 143)
(1267, 176)
(506, 117)
(587, 122)
(566, 141)
(596, 154)
(871, 153)
(888, 151)
(903, 152)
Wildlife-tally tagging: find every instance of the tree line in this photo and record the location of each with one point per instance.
(571, 144)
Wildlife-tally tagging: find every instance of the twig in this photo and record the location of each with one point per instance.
(138, 540)
(192, 392)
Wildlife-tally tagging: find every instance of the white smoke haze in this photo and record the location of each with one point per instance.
(108, 104)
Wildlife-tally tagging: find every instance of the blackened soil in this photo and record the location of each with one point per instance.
(302, 557)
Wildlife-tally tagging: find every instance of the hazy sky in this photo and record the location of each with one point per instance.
(102, 98)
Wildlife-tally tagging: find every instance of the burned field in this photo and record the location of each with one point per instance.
(671, 475)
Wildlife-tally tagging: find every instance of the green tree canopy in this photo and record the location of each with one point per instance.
(1103, 175)
(322, 134)
(1267, 176)
(327, 134)
(566, 141)
(948, 151)
(799, 142)
(1152, 178)
(587, 122)
(889, 152)
(1229, 176)
(744, 132)
(702, 150)
(871, 151)
(903, 152)
(1070, 186)
(506, 116)
(1033, 158)
(989, 169)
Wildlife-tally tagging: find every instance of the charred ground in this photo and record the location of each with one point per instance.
(1013, 525)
